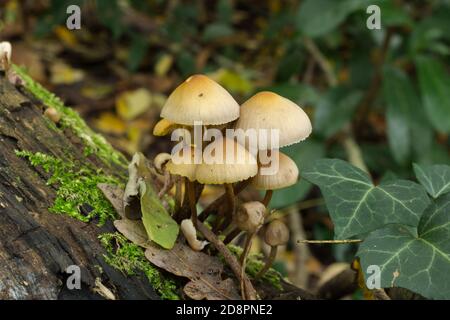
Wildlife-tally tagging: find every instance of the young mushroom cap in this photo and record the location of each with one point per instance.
(5, 50)
(277, 233)
(285, 176)
(182, 163)
(161, 160)
(163, 127)
(225, 161)
(250, 216)
(199, 98)
(189, 232)
(268, 110)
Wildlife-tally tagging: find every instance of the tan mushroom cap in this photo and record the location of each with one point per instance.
(285, 176)
(268, 110)
(234, 163)
(182, 163)
(277, 233)
(199, 98)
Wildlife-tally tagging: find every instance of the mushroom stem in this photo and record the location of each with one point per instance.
(267, 197)
(249, 291)
(269, 261)
(218, 202)
(243, 257)
(190, 189)
(168, 184)
(231, 235)
(178, 193)
(231, 197)
(223, 220)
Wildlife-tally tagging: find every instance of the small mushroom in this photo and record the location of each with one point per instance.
(52, 114)
(189, 232)
(277, 234)
(164, 127)
(160, 161)
(182, 164)
(286, 175)
(5, 54)
(234, 165)
(249, 218)
(268, 110)
(199, 98)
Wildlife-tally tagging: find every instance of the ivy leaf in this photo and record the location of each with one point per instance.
(416, 262)
(318, 17)
(434, 83)
(357, 206)
(160, 226)
(435, 178)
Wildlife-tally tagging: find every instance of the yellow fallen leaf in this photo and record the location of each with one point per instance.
(66, 36)
(233, 81)
(163, 64)
(368, 294)
(62, 73)
(110, 123)
(130, 104)
(96, 91)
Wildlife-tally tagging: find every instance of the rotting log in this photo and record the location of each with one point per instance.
(37, 246)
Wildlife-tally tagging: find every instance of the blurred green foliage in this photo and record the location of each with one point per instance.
(391, 85)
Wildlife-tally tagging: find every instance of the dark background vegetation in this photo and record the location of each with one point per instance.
(378, 98)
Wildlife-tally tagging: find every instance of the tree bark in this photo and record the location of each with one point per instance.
(37, 246)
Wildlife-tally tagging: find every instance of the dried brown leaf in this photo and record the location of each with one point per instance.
(114, 194)
(134, 231)
(203, 270)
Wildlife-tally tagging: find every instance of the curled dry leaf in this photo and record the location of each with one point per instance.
(203, 270)
(131, 201)
(114, 194)
(134, 231)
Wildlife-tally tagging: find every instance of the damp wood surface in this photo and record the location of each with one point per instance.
(36, 245)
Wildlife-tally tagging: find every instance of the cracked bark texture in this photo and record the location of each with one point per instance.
(37, 246)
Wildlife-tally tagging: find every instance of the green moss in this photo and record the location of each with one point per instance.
(94, 143)
(76, 187)
(130, 259)
(254, 264)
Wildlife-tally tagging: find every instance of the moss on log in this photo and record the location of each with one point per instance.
(37, 245)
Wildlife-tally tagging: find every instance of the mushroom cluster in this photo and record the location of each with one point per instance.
(238, 160)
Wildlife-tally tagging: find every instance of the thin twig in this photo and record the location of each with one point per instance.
(321, 61)
(353, 150)
(331, 241)
(300, 274)
(250, 292)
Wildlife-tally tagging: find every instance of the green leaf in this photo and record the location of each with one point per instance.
(160, 226)
(318, 17)
(290, 64)
(430, 34)
(217, 30)
(434, 83)
(303, 154)
(401, 101)
(357, 206)
(418, 263)
(335, 110)
(435, 178)
(393, 14)
(299, 93)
